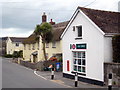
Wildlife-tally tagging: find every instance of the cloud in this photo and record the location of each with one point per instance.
(22, 16)
(17, 32)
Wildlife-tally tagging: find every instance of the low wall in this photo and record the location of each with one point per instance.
(39, 65)
(113, 68)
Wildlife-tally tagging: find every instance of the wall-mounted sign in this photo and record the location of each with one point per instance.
(78, 46)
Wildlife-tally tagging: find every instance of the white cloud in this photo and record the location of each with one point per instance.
(12, 32)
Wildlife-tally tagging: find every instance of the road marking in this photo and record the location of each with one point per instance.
(61, 83)
(35, 72)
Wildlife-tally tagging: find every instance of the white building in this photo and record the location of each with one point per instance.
(14, 44)
(87, 44)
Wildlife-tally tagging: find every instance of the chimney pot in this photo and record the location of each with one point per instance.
(51, 22)
(44, 18)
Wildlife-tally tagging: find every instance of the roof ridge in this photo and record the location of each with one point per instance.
(98, 10)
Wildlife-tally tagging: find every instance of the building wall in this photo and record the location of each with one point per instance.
(94, 52)
(11, 46)
(28, 50)
(108, 49)
(51, 50)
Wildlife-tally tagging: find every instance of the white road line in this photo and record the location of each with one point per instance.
(35, 72)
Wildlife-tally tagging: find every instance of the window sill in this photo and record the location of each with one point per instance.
(53, 47)
(78, 38)
(78, 73)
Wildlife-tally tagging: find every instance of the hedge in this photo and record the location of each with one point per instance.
(116, 48)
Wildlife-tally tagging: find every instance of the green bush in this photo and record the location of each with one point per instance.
(116, 48)
(8, 55)
(17, 54)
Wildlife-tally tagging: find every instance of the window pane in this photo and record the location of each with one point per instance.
(75, 61)
(79, 68)
(74, 54)
(79, 31)
(83, 55)
(79, 54)
(79, 61)
(83, 61)
(83, 69)
(75, 68)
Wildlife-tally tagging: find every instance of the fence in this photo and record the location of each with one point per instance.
(113, 68)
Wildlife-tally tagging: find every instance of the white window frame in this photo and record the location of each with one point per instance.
(17, 44)
(76, 32)
(81, 59)
(47, 45)
(54, 44)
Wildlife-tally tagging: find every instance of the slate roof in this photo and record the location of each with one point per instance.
(17, 39)
(57, 31)
(107, 21)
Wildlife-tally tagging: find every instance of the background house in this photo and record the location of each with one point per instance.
(14, 44)
(87, 44)
(33, 48)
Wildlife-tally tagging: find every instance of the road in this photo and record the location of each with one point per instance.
(16, 76)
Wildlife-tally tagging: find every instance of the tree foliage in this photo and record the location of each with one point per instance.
(44, 30)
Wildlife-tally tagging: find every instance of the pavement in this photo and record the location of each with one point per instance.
(65, 81)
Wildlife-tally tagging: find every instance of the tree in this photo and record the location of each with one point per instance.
(44, 30)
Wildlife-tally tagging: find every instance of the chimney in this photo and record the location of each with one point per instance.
(44, 18)
(51, 22)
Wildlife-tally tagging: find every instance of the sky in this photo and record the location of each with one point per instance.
(18, 18)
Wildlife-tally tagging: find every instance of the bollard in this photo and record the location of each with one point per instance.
(52, 73)
(76, 79)
(110, 82)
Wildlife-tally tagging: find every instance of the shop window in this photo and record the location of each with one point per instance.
(79, 62)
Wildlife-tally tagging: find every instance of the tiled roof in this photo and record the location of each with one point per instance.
(17, 39)
(57, 31)
(107, 21)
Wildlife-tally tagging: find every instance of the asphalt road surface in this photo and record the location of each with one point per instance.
(16, 76)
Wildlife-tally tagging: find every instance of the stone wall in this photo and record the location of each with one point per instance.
(113, 68)
(39, 65)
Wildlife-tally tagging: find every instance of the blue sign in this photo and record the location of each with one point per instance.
(57, 66)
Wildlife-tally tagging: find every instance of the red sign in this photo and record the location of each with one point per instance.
(68, 65)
